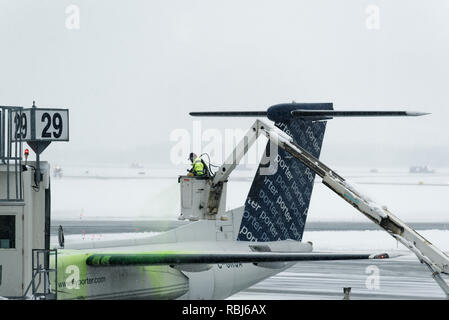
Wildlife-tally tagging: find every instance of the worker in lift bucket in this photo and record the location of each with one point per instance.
(198, 165)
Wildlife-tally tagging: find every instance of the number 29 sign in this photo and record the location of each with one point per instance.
(39, 124)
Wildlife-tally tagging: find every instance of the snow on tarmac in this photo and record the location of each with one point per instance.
(143, 193)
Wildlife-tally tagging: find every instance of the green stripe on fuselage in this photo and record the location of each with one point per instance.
(78, 279)
(141, 258)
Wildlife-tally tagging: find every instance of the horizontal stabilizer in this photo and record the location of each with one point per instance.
(339, 113)
(305, 111)
(229, 114)
(176, 258)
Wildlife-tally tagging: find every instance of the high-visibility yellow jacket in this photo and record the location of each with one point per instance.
(198, 167)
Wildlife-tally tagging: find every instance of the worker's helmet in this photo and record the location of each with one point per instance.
(192, 156)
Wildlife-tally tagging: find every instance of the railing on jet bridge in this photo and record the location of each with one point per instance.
(11, 136)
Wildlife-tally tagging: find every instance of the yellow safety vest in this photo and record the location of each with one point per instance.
(198, 167)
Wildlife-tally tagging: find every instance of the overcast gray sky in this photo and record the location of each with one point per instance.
(134, 69)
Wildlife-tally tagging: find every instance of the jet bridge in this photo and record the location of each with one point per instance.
(428, 254)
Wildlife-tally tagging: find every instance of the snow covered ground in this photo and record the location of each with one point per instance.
(93, 192)
(369, 240)
(99, 237)
(393, 279)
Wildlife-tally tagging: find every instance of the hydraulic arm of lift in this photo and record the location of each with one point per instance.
(428, 254)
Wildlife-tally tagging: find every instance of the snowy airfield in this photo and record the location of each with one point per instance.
(108, 193)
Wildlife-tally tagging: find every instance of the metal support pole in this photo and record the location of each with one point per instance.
(47, 225)
(346, 292)
(37, 173)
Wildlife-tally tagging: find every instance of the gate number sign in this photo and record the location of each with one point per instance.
(38, 124)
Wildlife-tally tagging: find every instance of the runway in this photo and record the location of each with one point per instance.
(398, 278)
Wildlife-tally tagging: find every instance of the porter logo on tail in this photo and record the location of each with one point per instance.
(277, 204)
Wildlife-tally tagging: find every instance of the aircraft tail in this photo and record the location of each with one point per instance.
(277, 204)
(278, 201)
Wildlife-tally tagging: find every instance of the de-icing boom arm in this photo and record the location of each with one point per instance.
(428, 254)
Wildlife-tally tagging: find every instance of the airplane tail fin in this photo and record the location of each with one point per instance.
(278, 201)
(277, 204)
